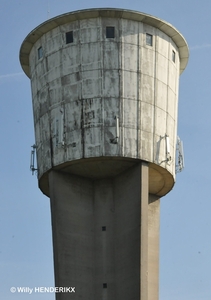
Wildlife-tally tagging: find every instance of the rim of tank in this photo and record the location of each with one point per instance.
(52, 23)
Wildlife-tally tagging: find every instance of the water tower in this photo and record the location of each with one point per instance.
(105, 102)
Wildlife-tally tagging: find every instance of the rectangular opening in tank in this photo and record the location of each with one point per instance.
(149, 39)
(40, 52)
(173, 56)
(110, 32)
(69, 37)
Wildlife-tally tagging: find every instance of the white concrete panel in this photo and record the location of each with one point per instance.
(57, 126)
(147, 117)
(53, 43)
(130, 88)
(70, 59)
(39, 83)
(171, 104)
(161, 94)
(90, 23)
(147, 88)
(42, 67)
(72, 91)
(111, 83)
(74, 149)
(54, 60)
(32, 60)
(70, 26)
(129, 57)
(44, 128)
(160, 121)
(110, 111)
(37, 134)
(131, 112)
(44, 157)
(54, 74)
(93, 142)
(110, 55)
(130, 142)
(162, 68)
(111, 148)
(92, 113)
(170, 131)
(34, 83)
(130, 31)
(55, 91)
(147, 62)
(172, 76)
(91, 84)
(145, 145)
(162, 44)
(73, 116)
(90, 56)
(36, 108)
(89, 35)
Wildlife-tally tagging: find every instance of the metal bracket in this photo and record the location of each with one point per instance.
(32, 168)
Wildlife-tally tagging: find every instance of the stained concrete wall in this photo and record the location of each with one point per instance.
(86, 256)
(79, 89)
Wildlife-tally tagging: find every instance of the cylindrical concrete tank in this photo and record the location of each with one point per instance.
(105, 94)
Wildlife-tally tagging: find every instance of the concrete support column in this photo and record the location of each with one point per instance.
(144, 200)
(73, 239)
(105, 236)
(153, 247)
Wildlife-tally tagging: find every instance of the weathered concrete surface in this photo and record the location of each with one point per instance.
(79, 89)
(124, 255)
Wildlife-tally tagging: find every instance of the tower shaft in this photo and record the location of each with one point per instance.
(105, 235)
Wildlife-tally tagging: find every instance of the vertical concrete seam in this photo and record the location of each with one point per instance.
(167, 98)
(144, 193)
(154, 113)
(138, 93)
(122, 87)
(102, 82)
(81, 92)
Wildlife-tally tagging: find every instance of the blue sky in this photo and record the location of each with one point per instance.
(26, 257)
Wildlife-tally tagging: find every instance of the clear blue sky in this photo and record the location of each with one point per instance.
(25, 227)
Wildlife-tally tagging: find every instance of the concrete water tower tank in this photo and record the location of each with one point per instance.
(105, 101)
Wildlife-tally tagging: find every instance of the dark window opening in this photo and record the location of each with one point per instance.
(40, 52)
(110, 32)
(69, 37)
(148, 39)
(103, 228)
(105, 285)
(173, 56)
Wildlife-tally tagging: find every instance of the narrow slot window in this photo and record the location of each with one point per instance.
(69, 37)
(173, 56)
(105, 285)
(110, 32)
(149, 39)
(40, 52)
